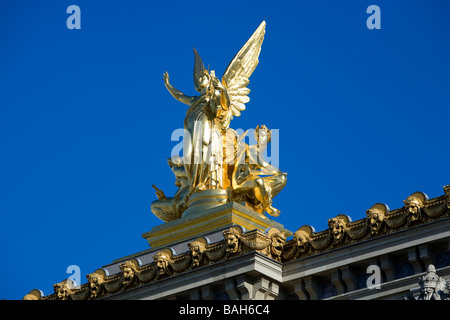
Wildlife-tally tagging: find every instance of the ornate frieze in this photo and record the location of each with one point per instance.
(273, 243)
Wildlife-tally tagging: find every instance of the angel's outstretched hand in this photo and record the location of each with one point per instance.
(166, 77)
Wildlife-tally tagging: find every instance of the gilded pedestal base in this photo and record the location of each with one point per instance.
(205, 200)
(198, 223)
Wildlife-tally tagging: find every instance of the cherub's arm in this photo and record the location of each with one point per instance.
(180, 96)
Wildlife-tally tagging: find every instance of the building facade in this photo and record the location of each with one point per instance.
(233, 253)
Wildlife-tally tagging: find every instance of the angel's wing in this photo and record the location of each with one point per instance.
(236, 76)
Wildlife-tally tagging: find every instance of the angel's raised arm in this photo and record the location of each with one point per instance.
(180, 96)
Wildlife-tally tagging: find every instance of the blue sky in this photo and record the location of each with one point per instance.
(85, 119)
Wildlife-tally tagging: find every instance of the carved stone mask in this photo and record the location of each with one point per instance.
(94, 285)
(302, 241)
(414, 204)
(337, 227)
(413, 209)
(128, 275)
(61, 291)
(375, 220)
(277, 245)
(197, 250)
(232, 239)
(162, 265)
(232, 243)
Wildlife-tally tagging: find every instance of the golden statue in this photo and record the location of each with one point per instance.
(210, 113)
(255, 178)
(207, 141)
(171, 208)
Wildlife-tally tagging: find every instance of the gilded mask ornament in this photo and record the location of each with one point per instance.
(413, 209)
(163, 259)
(128, 269)
(375, 217)
(302, 241)
(62, 290)
(96, 281)
(277, 241)
(338, 227)
(232, 239)
(302, 238)
(414, 204)
(197, 250)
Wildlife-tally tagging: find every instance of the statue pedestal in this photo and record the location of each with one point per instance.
(200, 222)
(205, 200)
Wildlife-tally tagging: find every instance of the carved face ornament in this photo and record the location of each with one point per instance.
(337, 227)
(375, 220)
(277, 245)
(94, 285)
(61, 291)
(232, 243)
(428, 292)
(413, 209)
(128, 275)
(302, 241)
(162, 264)
(196, 251)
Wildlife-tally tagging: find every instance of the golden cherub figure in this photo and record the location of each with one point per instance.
(255, 178)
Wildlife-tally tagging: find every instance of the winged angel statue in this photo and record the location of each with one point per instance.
(207, 124)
